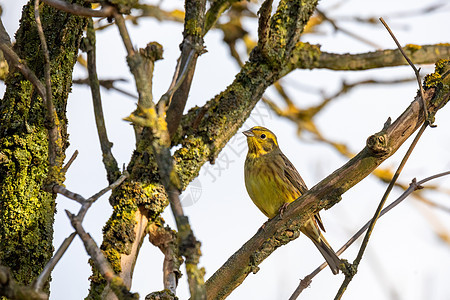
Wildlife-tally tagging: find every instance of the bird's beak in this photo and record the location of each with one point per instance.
(248, 133)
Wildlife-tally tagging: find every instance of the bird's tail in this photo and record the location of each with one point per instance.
(313, 233)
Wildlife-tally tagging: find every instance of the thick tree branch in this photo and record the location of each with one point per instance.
(426, 54)
(326, 193)
(25, 131)
(207, 129)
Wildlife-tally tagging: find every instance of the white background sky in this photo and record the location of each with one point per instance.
(405, 258)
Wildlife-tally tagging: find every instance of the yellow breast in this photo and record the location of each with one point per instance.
(267, 185)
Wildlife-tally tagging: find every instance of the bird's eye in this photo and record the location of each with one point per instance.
(263, 136)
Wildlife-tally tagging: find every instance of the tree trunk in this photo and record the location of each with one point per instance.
(26, 210)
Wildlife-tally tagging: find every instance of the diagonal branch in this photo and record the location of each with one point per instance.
(86, 204)
(414, 186)
(116, 283)
(325, 194)
(349, 275)
(14, 60)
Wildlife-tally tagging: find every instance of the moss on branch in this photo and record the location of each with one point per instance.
(426, 54)
(26, 211)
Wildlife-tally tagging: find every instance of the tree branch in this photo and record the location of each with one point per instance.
(116, 283)
(75, 9)
(10, 289)
(416, 72)
(425, 54)
(326, 193)
(109, 161)
(14, 60)
(166, 240)
(354, 267)
(414, 186)
(191, 48)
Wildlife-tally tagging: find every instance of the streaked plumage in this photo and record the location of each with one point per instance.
(272, 181)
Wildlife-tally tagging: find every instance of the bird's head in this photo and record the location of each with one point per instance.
(260, 141)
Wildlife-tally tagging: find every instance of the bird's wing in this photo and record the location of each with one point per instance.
(292, 175)
(296, 180)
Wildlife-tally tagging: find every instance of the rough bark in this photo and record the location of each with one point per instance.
(26, 211)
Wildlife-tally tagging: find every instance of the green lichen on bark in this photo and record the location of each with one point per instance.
(439, 80)
(26, 211)
(140, 192)
(206, 130)
(286, 25)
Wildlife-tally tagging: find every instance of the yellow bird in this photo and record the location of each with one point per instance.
(272, 183)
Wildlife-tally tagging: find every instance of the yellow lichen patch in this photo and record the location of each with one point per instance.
(413, 48)
(432, 80)
(192, 27)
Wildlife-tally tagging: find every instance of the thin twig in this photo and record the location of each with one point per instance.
(305, 282)
(349, 275)
(86, 204)
(347, 32)
(109, 161)
(120, 22)
(189, 247)
(75, 9)
(416, 71)
(59, 189)
(105, 269)
(69, 163)
(53, 131)
(94, 197)
(107, 84)
(45, 274)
